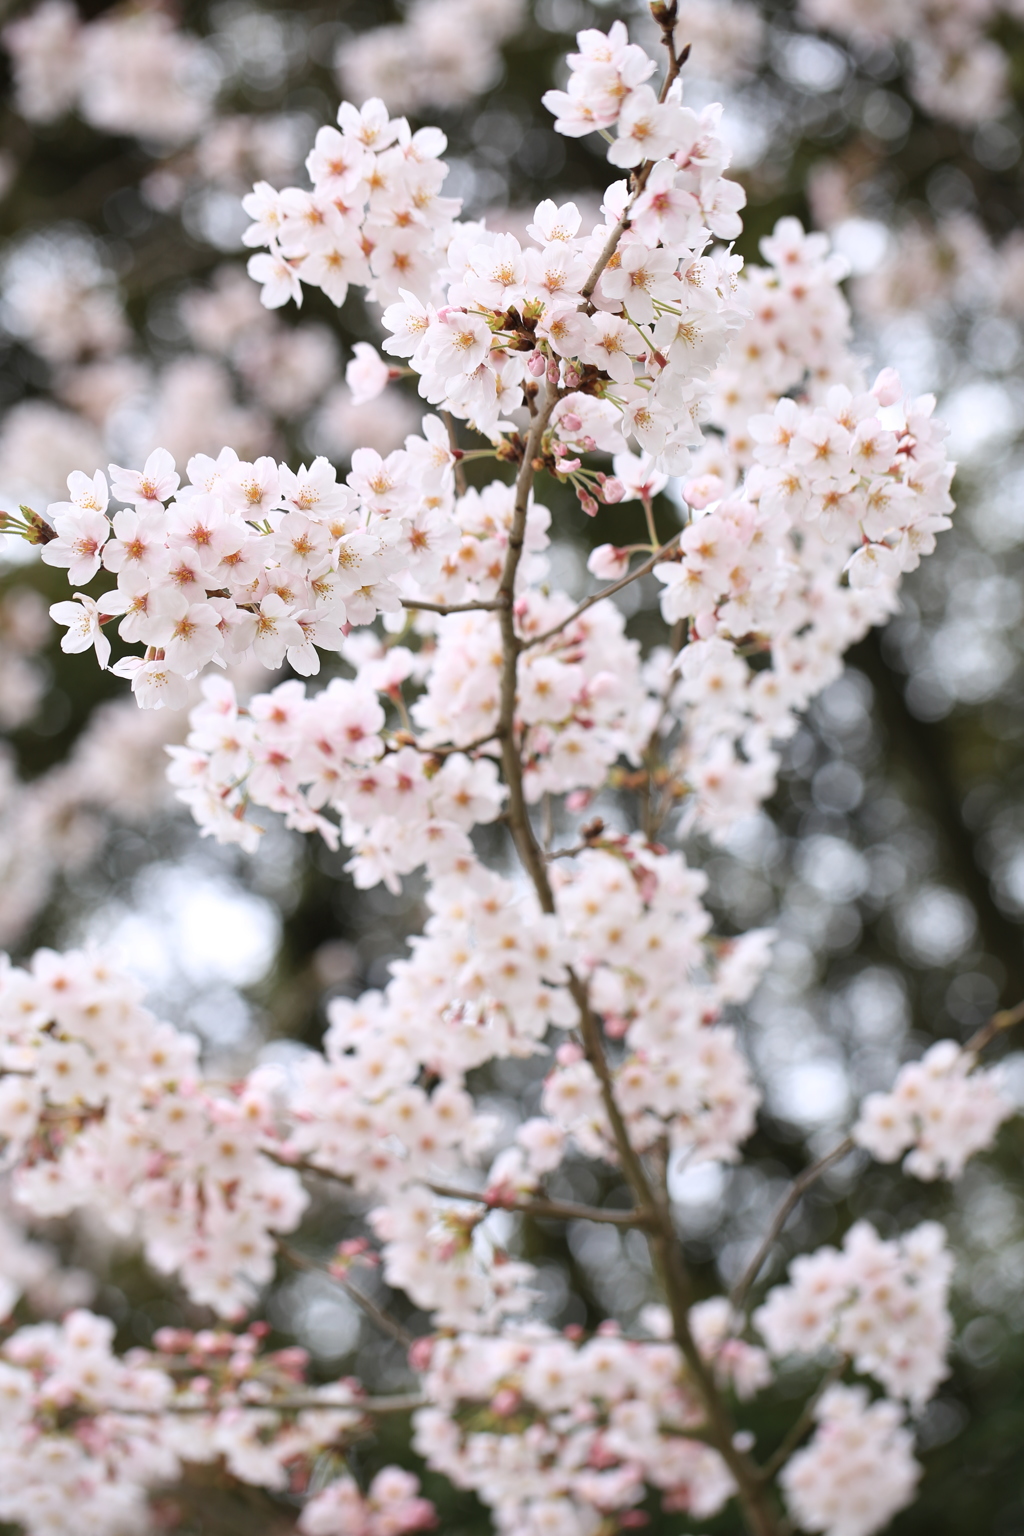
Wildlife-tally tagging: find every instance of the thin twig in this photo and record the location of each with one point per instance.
(616, 586)
(402, 1402)
(460, 470)
(384, 1321)
(1006, 1018)
(482, 605)
(303, 1165)
(779, 1457)
(405, 739)
(566, 1210)
(675, 62)
(800, 1185)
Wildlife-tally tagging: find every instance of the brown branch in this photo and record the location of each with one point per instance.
(384, 1321)
(1006, 1018)
(666, 21)
(482, 605)
(303, 1165)
(518, 817)
(800, 1185)
(406, 739)
(796, 1433)
(665, 1250)
(565, 1210)
(460, 469)
(402, 1402)
(616, 586)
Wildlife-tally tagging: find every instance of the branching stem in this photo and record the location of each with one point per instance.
(384, 1321)
(645, 569)
(565, 1210)
(799, 1187)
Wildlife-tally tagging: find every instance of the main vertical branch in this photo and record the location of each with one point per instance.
(529, 849)
(666, 1254)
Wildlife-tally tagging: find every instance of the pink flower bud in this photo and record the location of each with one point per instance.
(572, 379)
(571, 422)
(569, 1054)
(537, 364)
(420, 1351)
(588, 503)
(612, 491)
(589, 443)
(552, 373)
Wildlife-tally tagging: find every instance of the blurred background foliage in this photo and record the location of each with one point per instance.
(892, 857)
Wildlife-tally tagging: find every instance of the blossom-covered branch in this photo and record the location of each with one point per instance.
(464, 690)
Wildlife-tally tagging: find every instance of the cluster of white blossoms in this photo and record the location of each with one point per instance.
(940, 1111)
(51, 1369)
(82, 1424)
(935, 266)
(484, 692)
(103, 1106)
(481, 318)
(859, 1469)
(391, 1505)
(375, 216)
(638, 930)
(132, 72)
(555, 1434)
(957, 70)
(442, 53)
(247, 558)
(881, 1304)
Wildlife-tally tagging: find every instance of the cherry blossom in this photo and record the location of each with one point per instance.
(468, 690)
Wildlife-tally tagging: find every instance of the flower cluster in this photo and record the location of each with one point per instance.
(130, 73)
(940, 1111)
(637, 926)
(375, 216)
(103, 1106)
(795, 339)
(443, 53)
(881, 1304)
(486, 691)
(956, 70)
(555, 1434)
(839, 494)
(246, 558)
(391, 1506)
(400, 807)
(859, 1469)
(654, 320)
(52, 1371)
(82, 1424)
(580, 704)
